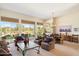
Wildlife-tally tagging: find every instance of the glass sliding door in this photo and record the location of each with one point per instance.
(8, 29)
(27, 29)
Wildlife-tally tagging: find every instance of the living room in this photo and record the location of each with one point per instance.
(48, 28)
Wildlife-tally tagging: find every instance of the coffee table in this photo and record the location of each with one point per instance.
(31, 45)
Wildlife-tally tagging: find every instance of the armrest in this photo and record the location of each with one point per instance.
(4, 52)
(44, 43)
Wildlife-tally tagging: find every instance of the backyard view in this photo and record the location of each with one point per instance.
(11, 29)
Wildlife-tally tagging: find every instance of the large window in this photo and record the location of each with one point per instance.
(11, 28)
(27, 29)
(8, 29)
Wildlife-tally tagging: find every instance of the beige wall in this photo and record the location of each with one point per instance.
(12, 14)
(71, 18)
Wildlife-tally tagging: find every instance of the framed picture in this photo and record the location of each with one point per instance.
(76, 29)
(65, 28)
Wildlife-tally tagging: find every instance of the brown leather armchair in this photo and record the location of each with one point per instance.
(48, 45)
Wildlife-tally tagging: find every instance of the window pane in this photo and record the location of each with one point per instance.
(28, 29)
(8, 29)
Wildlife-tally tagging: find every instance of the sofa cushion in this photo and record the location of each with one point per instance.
(48, 39)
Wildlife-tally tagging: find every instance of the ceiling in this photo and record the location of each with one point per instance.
(41, 10)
